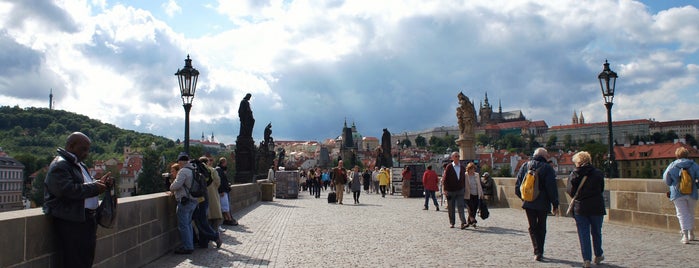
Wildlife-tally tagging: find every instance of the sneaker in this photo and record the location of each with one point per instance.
(221, 229)
(539, 257)
(424, 208)
(474, 226)
(599, 259)
(586, 264)
(685, 239)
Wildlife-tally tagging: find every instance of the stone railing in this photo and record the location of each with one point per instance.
(636, 202)
(146, 229)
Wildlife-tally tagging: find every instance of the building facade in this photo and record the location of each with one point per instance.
(11, 180)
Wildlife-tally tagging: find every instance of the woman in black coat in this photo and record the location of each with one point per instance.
(588, 207)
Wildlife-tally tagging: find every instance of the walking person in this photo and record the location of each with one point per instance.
(71, 200)
(454, 185)
(356, 184)
(538, 210)
(685, 203)
(475, 193)
(430, 180)
(407, 175)
(375, 180)
(586, 186)
(317, 182)
(384, 180)
(366, 180)
(339, 178)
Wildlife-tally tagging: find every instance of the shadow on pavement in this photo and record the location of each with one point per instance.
(500, 230)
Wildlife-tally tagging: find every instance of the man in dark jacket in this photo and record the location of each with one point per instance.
(538, 210)
(71, 200)
(454, 184)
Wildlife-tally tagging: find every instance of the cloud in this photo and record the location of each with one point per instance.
(311, 65)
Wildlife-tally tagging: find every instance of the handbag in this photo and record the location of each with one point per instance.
(107, 210)
(572, 201)
(483, 209)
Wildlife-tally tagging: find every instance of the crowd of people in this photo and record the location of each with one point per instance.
(71, 198)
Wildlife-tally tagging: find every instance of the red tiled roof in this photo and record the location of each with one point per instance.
(651, 151)
(603, 124)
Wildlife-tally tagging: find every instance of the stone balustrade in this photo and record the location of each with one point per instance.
(635, 202)
(146, 230)
(147, 226)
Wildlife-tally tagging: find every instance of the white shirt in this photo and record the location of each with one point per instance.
(90, 202)
(457, 168)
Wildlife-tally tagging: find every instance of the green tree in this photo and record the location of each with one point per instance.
(505, 171)
(597, 151)
(646, 171)
(551, 142)
(420, 141)
(37, 192)
(149, 179)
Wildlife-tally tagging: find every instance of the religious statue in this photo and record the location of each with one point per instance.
(387, 160)
(246, 120)
(465, 113)
(268, 133)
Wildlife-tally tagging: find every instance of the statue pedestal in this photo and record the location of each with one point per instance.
(467, 148)
(244, 160)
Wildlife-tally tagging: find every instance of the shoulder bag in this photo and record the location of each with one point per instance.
(569, 212)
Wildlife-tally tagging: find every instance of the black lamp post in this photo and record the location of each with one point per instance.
(187, 78)
(607, 82)
(398, 147)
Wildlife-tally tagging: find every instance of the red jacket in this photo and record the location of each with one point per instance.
(430, 180)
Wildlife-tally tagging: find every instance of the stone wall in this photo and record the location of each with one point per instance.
(146, 230)
(635, 202)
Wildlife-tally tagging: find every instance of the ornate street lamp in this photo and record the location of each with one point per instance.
(607, 82)
(398, 148)
(187, 78)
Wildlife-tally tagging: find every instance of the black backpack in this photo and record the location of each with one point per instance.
(200, 175)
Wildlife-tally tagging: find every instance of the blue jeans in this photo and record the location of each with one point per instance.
(184, 222)
(590, 225)
(206, 232)
(429, 194)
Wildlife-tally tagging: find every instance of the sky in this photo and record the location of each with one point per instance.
(312, 65)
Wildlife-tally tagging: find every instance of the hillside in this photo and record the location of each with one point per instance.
(33, 134)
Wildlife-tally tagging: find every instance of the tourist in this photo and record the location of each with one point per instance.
(586, 185)
(406, 175)
(170, 176)
(339, 178)
(430, 181)
(356, 183)
(71, 200)
(317, 183)
(310, 181)
(384, 180)
(186, 204)
(366, 180)
(538, 210)
(454, 184)
(206, 232)
(474, 194)
(375, 180)
(684, 203)
(325, 178)
(488, 188)
(224, 190)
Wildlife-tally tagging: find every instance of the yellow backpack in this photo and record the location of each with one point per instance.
(530, 184)
(685, 184)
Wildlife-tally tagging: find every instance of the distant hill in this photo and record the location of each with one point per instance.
(38, 132)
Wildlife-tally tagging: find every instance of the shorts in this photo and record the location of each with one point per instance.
(225, 206)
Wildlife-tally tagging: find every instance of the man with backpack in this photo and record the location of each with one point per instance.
(681, 176)
(185, 204)
(545, 196)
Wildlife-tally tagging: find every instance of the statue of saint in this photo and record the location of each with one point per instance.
(466, 114)
(246, 119)
(268, 133)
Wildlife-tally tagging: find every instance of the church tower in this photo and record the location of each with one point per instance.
(575, 118)
(486, 111)
(582, 118)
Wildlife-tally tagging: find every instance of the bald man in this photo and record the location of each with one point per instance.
(71, 200)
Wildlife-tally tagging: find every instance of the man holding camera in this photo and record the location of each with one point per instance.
(185, 203)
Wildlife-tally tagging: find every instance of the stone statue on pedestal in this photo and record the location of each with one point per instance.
(245, 145)
(466, 116)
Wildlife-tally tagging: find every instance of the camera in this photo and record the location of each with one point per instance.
(165, 175)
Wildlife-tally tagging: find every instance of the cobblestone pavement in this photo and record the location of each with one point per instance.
(396, 232)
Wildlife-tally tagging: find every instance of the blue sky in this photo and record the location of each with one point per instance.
(310, 65)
